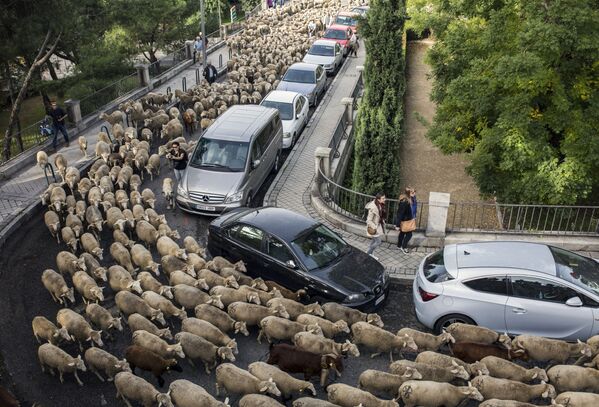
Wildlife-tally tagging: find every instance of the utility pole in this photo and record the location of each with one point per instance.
(203, 25)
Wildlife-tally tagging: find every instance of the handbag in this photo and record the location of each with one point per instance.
(371, 231)
(408, 225)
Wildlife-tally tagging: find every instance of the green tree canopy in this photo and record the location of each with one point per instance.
(516, 83)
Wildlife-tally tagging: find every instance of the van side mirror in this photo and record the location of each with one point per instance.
(574, 302)
(255, 164)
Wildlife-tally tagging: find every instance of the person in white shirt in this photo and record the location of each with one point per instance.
(353, 45)
(311, 28)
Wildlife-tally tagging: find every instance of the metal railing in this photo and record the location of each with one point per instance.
(92, 103)
(31, 136)
(167, 62)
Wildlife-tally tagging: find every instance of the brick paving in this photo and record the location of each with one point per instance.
(19, 192)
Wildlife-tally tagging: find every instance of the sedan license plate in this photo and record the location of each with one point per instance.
(379, 300)
(205, 208)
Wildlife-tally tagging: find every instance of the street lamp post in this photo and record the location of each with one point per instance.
(203, 25)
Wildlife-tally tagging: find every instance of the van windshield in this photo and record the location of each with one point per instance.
(220, 155)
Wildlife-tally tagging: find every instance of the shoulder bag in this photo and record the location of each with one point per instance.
(408, 225)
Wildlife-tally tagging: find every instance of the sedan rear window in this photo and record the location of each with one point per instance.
(322, 50)
(434, 268)
(299, 76)
(319, 247)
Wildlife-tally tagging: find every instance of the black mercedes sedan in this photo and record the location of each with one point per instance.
(299, 253)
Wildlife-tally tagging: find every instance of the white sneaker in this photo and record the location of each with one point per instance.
(374, 257)
(406, 251)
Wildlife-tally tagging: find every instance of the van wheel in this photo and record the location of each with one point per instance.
(275, 168)
(447, 320)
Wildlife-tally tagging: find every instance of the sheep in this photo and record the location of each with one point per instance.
(157, 301)
(220, 319)
(380, 340)
(171, 263)
(168, 191)
(82, 141)
(196, 347)
(148, 198)
(121, 198)
(348, 396)
(252, 314)
(262, 295)
(135, 180)
(86, 286)
(121, 237)
(230, 295)
(138, 322)
(45, 329)
(78, 327)
(312, 402)
(80, 208)
(192, 246)
(574, 378)
(218, 263)
(426, 341)
(208, 331)
(235, 380)
(329, 329)
(509, 403)
(129, 303)
(199, 263)
(145, 359)
(187, 394)
(322, 346)
(298, 295)
(231, 272)
(432, 394)
(440, 360)
(93, 268)
(430, 372)
(122, 256)
(102, 149)
(75, 223)
(94, 219)
(118, 132)
(149, 283)
(71, 203)
(335, 312)
(69, 238)
(42, 159)
(213, 279)
(99, 360)
(378, 382)
(493, 388)
(113, 118)
(471, 352)
(166, 245)
(102, 318)
(544, 349)
(157, 345)
(146, 232)
(53, 224)
(504, 369)
(295, 308)
(94, 197)
(165, 230)
(286, 383)
(141, 160)
(258, 400)
(58, 199)
(172, 129)
(115, 219)
(72, 177)
(69, 263)
(576, 399)
(129, 386)
(57, 287)
(52, 357)
(120, 280)
(283, 329)
(178, 277)
(190, 297)
(60, 162)
(478, 334)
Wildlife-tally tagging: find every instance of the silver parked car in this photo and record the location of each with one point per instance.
(231, 160)
(513, 287)
(308, 79)
(327, 53)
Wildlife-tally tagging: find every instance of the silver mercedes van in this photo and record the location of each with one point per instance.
(231, 160)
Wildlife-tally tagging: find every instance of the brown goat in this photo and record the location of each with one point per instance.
(145, 359)
(293, 360)
(471, 352)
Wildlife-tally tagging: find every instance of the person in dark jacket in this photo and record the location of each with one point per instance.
(210, 73)
(179, 156)
(58, 116)
(405, 212)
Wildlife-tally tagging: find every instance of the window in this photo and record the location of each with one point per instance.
(256, 151)
(302, 103)
(543, 290)
(285, 109)
(298, 106)
(247, 235)
(319, 72)
(319, 247)
(492, 285)
(434, 268)
(335, 34)
(321, 50)
(299, 76)
(578, 270)
(337, 48)
(277, 250)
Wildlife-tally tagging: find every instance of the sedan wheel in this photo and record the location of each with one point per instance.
(447, 320)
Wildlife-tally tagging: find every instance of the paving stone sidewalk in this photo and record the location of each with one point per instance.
(291, 187)
(21, 191)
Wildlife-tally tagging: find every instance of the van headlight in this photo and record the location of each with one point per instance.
(286, 135)
(235, 197)
(182, 192)
(353, 298)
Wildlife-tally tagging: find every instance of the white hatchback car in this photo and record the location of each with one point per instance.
(327, 53)
(513, 287)
(293, 110)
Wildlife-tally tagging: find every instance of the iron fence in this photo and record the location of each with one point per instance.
(31, 136)
(167, 62)
(95, 101)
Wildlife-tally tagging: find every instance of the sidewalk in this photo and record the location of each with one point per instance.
(291, 187)
(20, 194)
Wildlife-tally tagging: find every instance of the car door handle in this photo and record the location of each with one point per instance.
(518, 310)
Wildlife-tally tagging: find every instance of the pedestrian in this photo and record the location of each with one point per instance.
(198, 45)
(179, 156)
(353, 45)
(269, 3)
(210, 73)
(311, 28)
(405, 221)
(375, 222)
(58, 124)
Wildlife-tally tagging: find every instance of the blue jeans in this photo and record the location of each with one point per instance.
(374, 243)
(63, 130)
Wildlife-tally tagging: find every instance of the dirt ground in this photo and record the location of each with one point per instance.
(424, 166)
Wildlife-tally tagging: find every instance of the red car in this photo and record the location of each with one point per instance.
(341, 34)
(348, 19)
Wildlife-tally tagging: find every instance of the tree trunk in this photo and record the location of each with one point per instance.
(40, 59)
(52, 71)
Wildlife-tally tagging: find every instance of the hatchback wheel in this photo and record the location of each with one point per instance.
(452, 319)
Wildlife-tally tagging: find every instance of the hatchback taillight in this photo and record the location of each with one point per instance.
(426, 296)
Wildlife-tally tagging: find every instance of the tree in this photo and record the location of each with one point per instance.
(380, 116)
(517, 87)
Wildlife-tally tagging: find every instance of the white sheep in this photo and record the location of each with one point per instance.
(348, 396)
(129, 386)
(238, 381)
(52, 357)
(494, 388)
(545, 349)
(429, 394)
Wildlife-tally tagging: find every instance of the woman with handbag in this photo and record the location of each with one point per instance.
(375, 222)
(405, 219)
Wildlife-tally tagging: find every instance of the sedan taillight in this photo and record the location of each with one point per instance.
(426, 296)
